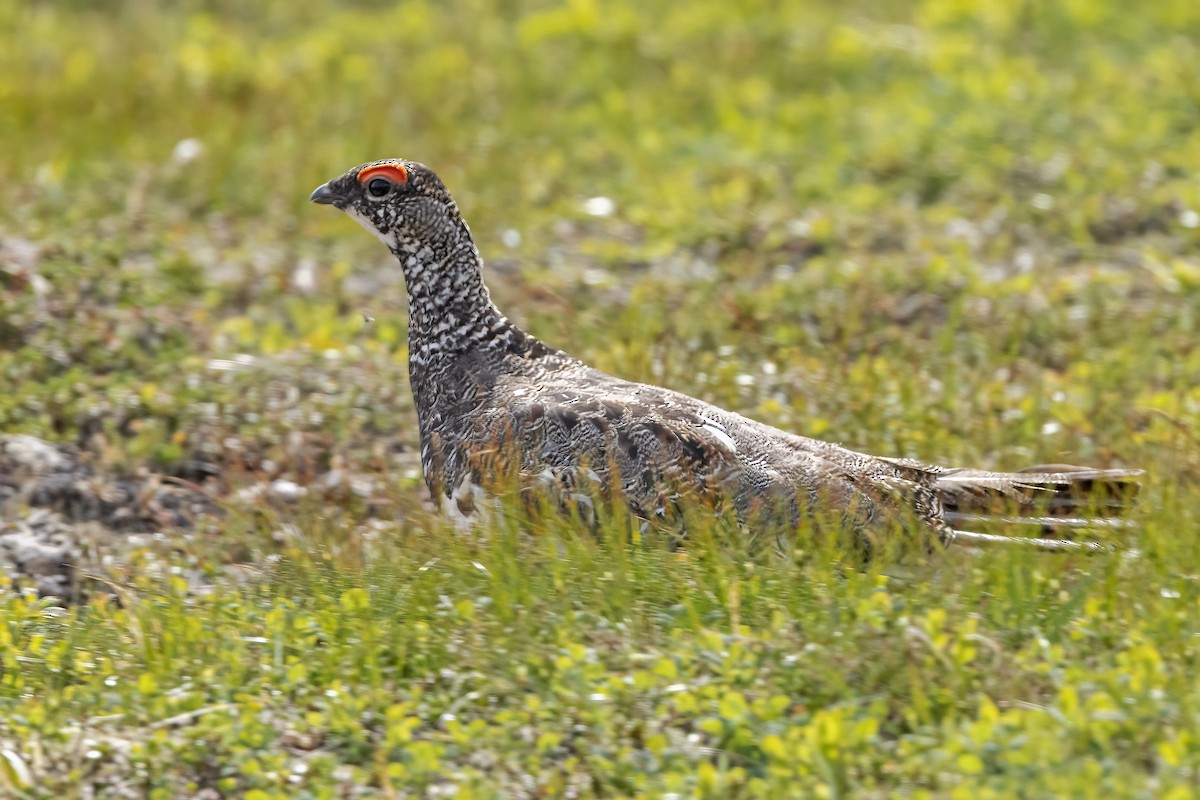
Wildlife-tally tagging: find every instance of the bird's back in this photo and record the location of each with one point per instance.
(538, 414)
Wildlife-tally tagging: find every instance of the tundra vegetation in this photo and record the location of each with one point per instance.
(964, 232)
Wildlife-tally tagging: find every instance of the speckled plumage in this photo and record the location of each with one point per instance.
(493, 401)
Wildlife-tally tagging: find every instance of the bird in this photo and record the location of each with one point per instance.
(495, 404)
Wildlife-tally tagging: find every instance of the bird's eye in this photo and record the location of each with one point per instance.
(378, 187)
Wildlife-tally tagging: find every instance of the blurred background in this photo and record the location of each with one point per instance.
(965, 231)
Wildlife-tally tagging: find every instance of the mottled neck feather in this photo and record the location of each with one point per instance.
(450, 311)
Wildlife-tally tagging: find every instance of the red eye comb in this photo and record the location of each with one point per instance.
(395, 172)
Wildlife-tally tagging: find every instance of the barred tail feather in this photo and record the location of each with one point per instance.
(972, 539)
(1052, 504)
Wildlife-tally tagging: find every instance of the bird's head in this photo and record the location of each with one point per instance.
(403, 203)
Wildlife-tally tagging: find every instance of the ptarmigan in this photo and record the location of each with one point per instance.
(494, 403)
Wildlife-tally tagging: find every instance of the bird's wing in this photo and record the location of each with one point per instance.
(644, 449)
(652, 446)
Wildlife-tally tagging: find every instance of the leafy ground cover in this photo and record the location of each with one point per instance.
(966, 232)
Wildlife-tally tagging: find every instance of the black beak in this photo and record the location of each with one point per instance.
(323, 195)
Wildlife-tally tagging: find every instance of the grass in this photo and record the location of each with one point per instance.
(965, 232)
